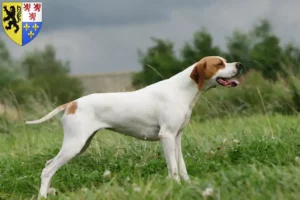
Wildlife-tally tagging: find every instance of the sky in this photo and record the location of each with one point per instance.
(103, 36)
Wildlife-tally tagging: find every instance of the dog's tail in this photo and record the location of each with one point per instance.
(49, 116)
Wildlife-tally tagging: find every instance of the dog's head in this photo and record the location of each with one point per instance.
(213, 70)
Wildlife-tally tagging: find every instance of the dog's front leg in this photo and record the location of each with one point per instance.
(167, 139)
(181, 164)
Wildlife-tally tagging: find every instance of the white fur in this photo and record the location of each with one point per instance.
(157, 112)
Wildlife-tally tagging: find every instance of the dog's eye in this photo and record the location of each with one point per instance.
(220, 64)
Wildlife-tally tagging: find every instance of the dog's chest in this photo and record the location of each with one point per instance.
(185, 120)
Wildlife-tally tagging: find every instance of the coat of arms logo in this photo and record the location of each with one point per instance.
(22, 21)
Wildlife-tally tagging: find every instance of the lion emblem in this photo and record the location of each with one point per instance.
(11, 17)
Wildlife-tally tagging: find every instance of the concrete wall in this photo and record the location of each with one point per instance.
(110, 82)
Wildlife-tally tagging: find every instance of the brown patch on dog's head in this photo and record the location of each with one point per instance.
(206, 68)
(71, 108)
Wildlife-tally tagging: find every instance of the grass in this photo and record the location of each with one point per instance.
(236, 156)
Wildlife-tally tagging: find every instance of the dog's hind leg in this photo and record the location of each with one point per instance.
(69, 150)
(76, 139)
(86, 145)
(48, 162)
(84, 148)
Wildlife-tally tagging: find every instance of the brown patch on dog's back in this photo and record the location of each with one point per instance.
(71, 108)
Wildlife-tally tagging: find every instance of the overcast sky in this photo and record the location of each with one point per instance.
(99, 36)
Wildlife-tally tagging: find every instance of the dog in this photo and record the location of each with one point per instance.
(158, 112)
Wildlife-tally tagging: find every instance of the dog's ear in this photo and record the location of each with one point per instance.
(198, 73)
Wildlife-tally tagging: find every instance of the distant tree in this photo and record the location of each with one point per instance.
(40, 63)
(266, 52)
(60, 88)
(8, 69)
(238, 48)
(267, 57)
(291, 59)
(47, 73)
(259, 49)
(38, 71)
(261, 30)
(159, 62)
(4, 53)
(201, 46)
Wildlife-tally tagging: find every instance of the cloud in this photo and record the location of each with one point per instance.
(81, 14)
(104, 36)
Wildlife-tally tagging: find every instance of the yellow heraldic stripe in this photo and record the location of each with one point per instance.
(16, 37)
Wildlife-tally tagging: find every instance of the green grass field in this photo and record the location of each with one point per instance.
(240, 158)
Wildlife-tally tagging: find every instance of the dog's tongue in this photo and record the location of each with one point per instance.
(231, 83)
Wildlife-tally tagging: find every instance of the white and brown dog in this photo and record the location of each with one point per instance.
(157, 112)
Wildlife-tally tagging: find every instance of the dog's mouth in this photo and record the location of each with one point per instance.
(227, 82)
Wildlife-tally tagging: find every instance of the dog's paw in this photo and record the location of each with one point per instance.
(52, 191)
(41, 197)
(188, 181)
(174, 178)
(185, 178)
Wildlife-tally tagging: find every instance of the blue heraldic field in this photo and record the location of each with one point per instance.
(29, 31)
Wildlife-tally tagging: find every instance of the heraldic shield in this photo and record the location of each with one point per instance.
(22, 21)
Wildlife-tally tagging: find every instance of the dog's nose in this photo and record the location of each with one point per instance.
(239, 66)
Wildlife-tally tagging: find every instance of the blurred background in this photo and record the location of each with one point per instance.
(109, 46)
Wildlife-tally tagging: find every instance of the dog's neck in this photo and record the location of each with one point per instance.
(188, 87)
